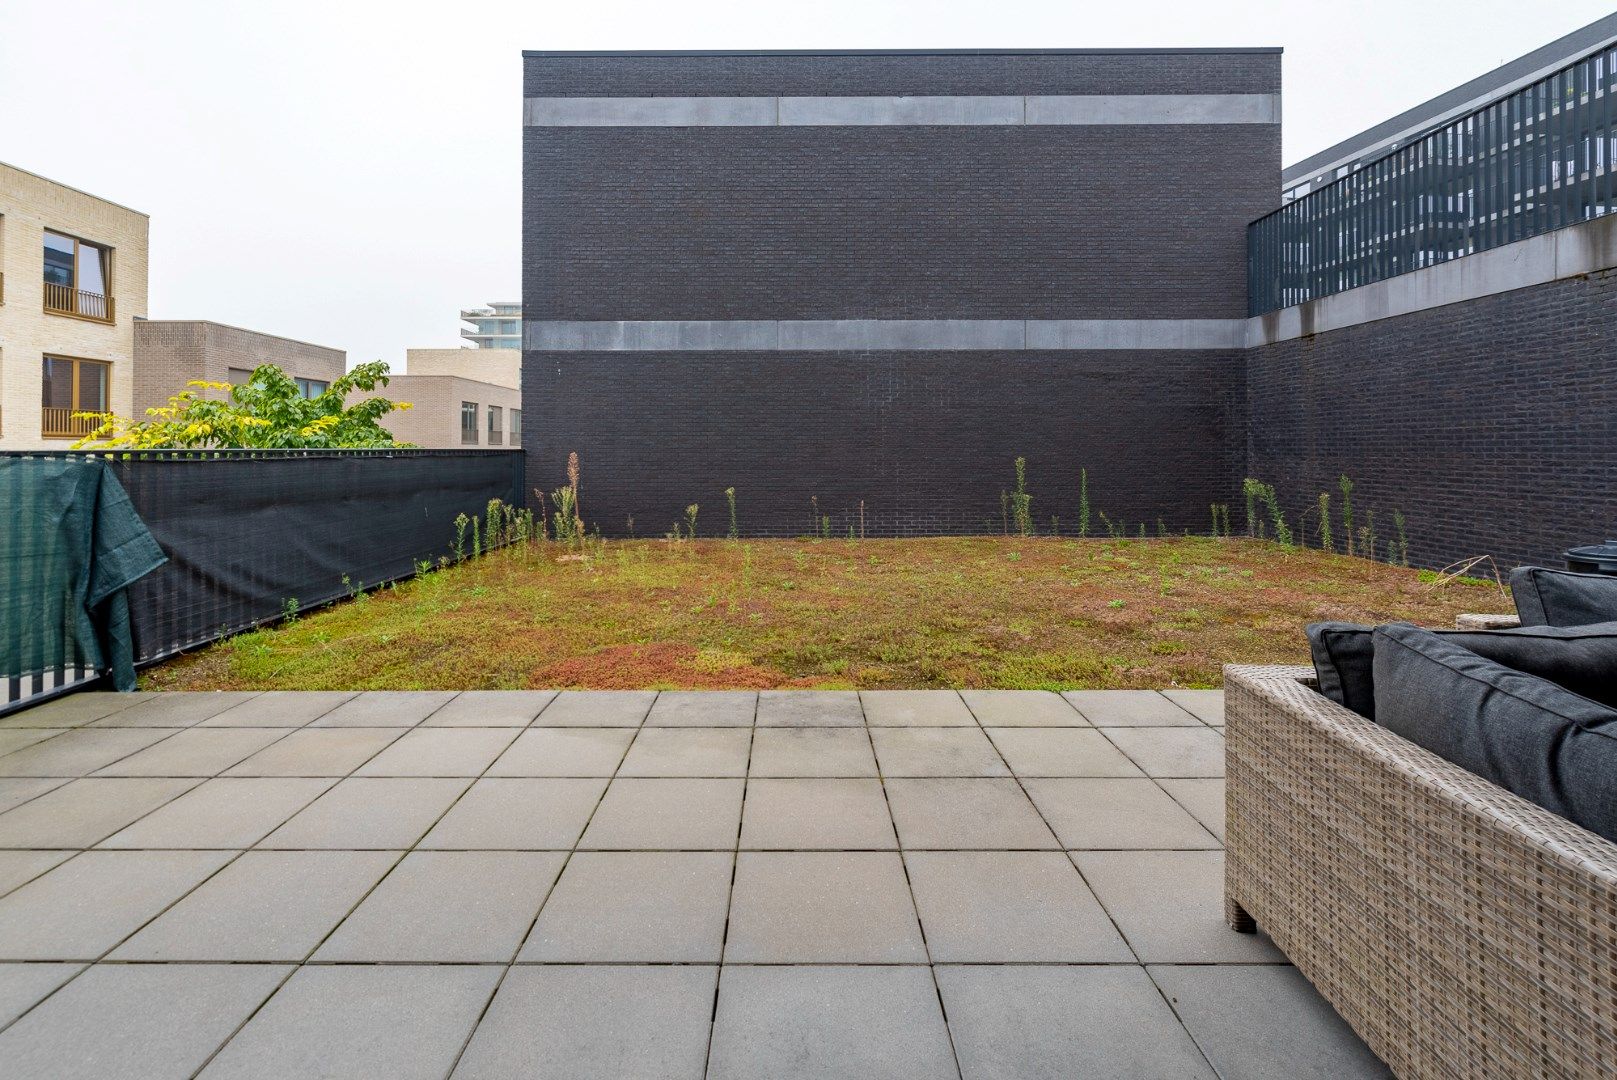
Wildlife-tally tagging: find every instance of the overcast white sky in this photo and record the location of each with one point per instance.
(348, 173)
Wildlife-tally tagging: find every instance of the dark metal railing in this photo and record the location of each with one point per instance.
(1537, 160)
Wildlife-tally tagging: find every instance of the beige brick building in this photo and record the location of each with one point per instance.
(72, 284)
(502, 367)
(171, 352)
(451, 412)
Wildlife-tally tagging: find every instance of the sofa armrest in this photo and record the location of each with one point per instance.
(1460, 930)
(1486, 622)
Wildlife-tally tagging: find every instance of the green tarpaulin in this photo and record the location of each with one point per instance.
(70, 544)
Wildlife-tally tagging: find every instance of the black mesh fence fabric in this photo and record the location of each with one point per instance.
(248, 531)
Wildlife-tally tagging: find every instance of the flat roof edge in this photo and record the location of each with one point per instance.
(76, 190)
(1268, 49)
(248, 330)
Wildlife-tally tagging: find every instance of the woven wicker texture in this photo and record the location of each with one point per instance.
(1461, 931)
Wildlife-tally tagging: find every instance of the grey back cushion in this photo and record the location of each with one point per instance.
(1583, 659)
(1547, 597)
(1526, 734)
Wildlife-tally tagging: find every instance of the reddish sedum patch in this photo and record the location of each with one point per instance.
(712, 614)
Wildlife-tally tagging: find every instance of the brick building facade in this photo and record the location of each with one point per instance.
(879, 278)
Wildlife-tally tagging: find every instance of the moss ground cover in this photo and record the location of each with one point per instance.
(964, 612)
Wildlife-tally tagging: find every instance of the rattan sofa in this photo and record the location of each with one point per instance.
(1459, 929)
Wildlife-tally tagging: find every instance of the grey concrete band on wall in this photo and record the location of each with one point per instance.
(940, 110)
(881, 335)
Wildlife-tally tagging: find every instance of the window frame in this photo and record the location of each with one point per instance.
(514, 428)
(73, 393)
(496, 425)
(74, 289)
(469, 431)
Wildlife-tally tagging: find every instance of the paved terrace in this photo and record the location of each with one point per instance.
(619, 884)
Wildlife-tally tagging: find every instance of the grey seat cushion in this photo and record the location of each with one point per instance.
(1582, 659)
(1546, 597)
(1526, 734)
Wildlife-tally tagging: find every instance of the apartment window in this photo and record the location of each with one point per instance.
(516, 427)
(77, 274)
(468, 422)
(72, 385)
(238, 376)
(312, 388)
(494, 425)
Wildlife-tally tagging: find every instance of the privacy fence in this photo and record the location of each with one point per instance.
(252, 534)
(1531, 162)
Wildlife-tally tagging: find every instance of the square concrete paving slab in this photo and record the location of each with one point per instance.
(369, 812)
(1203, 798)
(74, 710)
(93, 901)
(20, 867)
(594, 1023)
(703, 708)
(1010, 907)
(688, 752)
(809, 1023)
(170, 709)
(564, 752)
(265, 906)
(1129, 708)
(146, 1021)
(22, 986)
(822, 907)
(801, 814)
(1172, 752)
(597, 708)
(448, 907)
(14, 791)
(966, 813)
(233, 812)
(440, 752)
(518, 814)
(386, 708)
(1057, 1023)
(1265, 1022)
(812, 752)
(919, 751)
(84, 812)
(809, 708)
(1206, 705)
(280, 708)
(1022, 708)
(80, 752)
(386, 1022)
(915, 708)
(17, 738)
(666, 815)
(1060, 752)
(317, 752)
(1170, 906)
(1115, 815)
(197, 752)
(647, 907)
(491, 708)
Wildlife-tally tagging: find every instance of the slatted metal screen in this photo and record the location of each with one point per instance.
(1534, 161)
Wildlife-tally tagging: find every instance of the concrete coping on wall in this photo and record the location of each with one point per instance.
(1585, 248)
(903, 110)
(881, 335)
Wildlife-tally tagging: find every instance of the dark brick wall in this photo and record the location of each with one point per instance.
(1492, 423)
(767, 74)
(927, 440)
(894, 222)
(1099, 222)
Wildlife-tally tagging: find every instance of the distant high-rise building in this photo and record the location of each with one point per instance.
(495, 326)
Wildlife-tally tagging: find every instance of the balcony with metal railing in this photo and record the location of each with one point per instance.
(1533, 161)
